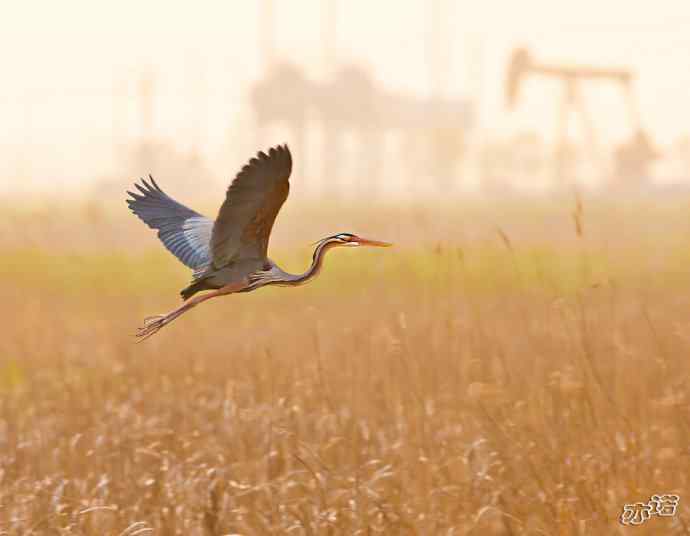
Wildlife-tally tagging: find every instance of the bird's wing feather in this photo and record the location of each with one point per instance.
(184, 232)
(252, 202)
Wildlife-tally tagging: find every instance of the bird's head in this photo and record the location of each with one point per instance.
(352, 240)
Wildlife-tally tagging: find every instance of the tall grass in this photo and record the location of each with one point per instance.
(503, 383)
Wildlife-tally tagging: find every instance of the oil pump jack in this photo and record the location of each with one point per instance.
(632, 158)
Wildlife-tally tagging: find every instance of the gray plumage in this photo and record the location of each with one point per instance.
(237, 242)
(184, 232)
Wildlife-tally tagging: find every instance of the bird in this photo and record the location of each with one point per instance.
(229, 255)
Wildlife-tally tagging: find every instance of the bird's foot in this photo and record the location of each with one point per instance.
(153, 318)
(152, 324)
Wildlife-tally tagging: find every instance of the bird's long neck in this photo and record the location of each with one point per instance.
(316, 263)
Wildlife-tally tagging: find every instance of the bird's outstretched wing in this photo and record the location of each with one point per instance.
(184, 232)
(251, 205)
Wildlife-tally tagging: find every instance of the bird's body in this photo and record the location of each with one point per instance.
(229, 255)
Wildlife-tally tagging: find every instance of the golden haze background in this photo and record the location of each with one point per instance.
(516, 365)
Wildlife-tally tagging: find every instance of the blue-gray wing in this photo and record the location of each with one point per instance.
(183, 231)
(251, 205)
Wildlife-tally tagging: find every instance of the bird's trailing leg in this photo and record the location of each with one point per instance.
(153, 324)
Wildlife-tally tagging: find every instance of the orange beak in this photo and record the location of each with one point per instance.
(374, 243)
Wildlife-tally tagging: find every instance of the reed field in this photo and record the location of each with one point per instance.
(512, 368)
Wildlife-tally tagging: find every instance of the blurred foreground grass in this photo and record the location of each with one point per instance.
(527, 381)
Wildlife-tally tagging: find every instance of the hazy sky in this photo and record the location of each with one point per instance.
(70, 70)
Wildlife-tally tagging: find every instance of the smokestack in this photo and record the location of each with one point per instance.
(437, 48)
(146, 89)
(329, 35)
(267, 32)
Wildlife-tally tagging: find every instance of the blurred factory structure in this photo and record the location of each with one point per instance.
(354, 115)
(345, 117)
(631, 161)
(352, 134)
(352, 107)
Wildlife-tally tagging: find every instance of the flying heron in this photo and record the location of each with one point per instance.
(230, 254)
